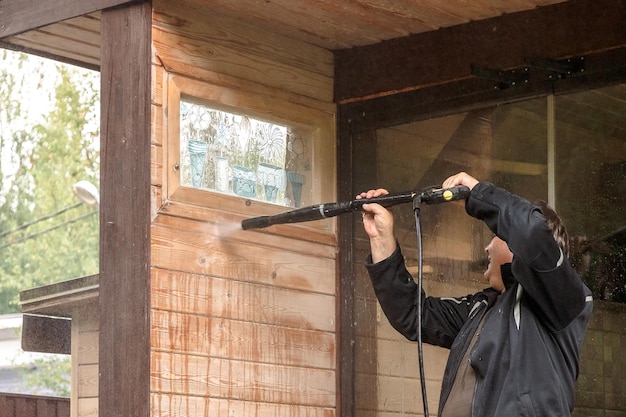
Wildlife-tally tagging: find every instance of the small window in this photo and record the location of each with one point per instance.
(242, 155)
(239, 153)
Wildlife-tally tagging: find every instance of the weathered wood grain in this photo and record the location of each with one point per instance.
(25, 405)
(224, 213)
(87, 347)
(240, 380)
(174, 405)
(184, 245)
(88, 378)
(71, 49)
(192, 57)
(124, 355)
(16, 17)
(250, 341)
(342, 24)
(238, 300)
(190, 17)
(88, 407)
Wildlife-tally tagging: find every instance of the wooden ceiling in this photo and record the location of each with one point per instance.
(339, 24)
(329, 24)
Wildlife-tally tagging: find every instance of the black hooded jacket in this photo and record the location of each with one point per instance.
(526, 357)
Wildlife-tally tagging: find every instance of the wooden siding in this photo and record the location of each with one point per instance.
(244, 323)
(227, 52)
(85, 368)
(19, 405)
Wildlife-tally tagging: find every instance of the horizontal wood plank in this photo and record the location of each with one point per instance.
(340, 24)
(174, 405)
(190, 20)
(315, 237)
(184, 245)
(241, 340)
(238, 380)
(87, 407)
(237, 300)
(41, 44)
(224, 222)
(88, 377)
(87, 348)
(192, 57)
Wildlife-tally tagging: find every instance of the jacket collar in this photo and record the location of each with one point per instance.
(507, 275)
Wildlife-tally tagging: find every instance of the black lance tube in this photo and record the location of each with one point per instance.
(430, 195)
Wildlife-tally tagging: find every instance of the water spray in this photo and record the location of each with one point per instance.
(429, 195)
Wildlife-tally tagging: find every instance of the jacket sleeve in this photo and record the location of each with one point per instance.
(442, 318)
(551, 286)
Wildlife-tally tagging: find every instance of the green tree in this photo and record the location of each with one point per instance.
(50, 376)
(41, 160)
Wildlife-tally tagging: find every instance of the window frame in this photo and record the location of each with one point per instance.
(275, 109)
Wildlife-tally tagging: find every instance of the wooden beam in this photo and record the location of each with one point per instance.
(575, 27)
(60, 299)
(346, 331)
(124, 340)
(46, 334)
(18, 16)
(601, 69)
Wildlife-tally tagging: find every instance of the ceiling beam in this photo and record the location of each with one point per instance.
(575, 27)
(18, 16)
(601, 69)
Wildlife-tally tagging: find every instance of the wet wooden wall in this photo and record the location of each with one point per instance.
(242, 322)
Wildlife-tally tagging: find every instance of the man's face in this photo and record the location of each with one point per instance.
(498, 254)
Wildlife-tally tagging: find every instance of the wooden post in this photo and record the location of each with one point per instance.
(124, 388)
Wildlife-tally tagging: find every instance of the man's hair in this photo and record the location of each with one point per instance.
(556, 225)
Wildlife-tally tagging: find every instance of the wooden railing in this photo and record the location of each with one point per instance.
(20, 405)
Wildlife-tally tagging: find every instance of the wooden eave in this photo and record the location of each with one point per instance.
(49, 310)
(61, 298)
(68, 30)
(17, 17)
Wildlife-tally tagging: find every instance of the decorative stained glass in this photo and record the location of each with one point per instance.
(241, 155)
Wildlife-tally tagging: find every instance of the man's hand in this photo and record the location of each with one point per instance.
(462, 178)
(378, 224)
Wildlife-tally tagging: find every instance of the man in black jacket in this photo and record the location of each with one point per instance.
(514, 347)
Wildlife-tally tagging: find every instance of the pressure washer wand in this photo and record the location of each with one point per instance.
(430, 195)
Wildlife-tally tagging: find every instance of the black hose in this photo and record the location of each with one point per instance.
(420, 277)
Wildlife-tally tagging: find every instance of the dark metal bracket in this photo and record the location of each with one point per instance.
(504, 79)
(559, 68)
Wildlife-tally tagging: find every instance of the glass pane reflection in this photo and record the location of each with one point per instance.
(507, 145)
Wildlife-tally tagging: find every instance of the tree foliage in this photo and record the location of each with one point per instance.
(49, 376)
(43, 155)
